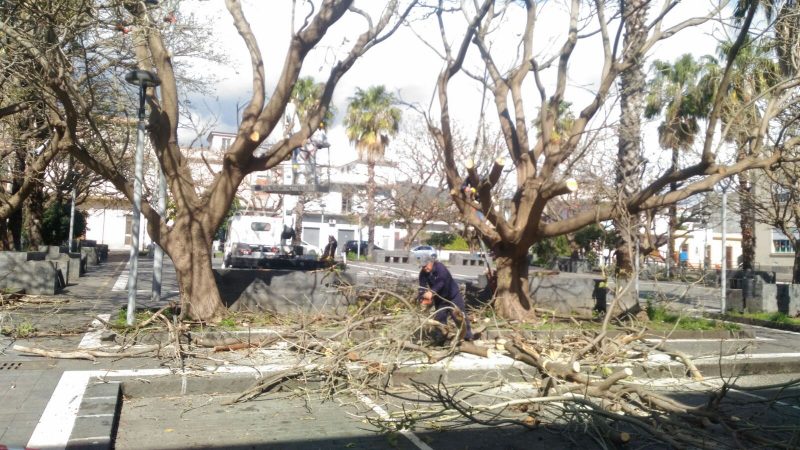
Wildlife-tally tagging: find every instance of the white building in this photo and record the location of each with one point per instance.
(335, 206)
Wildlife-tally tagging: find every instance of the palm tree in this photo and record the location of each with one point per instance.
(675, 91)
(754, 72)
(306, 94)
(371, 120)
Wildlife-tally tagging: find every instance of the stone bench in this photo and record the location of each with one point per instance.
(392, 256)
(90, 253)
(33, 277)
(72, 265)
(463, 259)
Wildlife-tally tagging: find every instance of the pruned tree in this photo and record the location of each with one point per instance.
(543, 165)
(197, 216)
(419, 193)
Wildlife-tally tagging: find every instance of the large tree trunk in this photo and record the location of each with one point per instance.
(299, 212)
(5, 242)
(796, 265)
(747, 222)
(35, 206)
(370, 210)
(190, 252)
(629, 161)
(673, 218)
(512, 297)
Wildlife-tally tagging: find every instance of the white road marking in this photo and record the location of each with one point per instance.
(54, 427)
(655, 341)
(92, 337)
(752, 356)
(385, 416)
(56, 423)
(121, 284)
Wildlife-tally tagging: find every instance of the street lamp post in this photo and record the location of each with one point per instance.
(144, 79)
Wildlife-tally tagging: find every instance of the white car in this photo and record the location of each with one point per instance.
(310, 251)
(421, 251)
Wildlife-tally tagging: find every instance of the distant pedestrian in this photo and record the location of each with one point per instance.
(330, 250)
(436, 286)
(683, 258)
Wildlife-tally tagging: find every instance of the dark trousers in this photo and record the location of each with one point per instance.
(445, 309)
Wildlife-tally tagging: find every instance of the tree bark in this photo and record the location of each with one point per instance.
(512, 298)
(747, 222)
(796, 266)
(632, 86)
(299, 212)
(673, 218)
(35, 206)
(190, 250)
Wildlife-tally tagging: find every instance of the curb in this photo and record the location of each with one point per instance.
(97, 418)
(99, 412)
(757, 322)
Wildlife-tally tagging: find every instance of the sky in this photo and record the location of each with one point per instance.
(406, 65)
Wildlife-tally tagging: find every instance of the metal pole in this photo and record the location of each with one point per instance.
(137, 199)
(71, 222)
(723, 272)
(636, 269)
(158, 252)
(358, 244)
(668, 261)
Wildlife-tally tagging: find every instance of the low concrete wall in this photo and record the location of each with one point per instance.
(767, 298)
(465, 259)
(91, 255)
(34, 277)
(284, 291)
(394, 256)
(68, 264)
(566, 294)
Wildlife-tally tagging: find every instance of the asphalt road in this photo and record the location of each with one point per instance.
(300, 419)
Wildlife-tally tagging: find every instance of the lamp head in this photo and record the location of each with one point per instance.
(142, 78)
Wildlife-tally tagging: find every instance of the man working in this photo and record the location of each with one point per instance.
(437, 286)
(330, 250)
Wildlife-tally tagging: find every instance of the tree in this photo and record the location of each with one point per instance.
(371, 120)
(55, 223)
(753, 74)
(418, 194)
(675, 90)
(542, 166)
(306, 95)
(78, 101)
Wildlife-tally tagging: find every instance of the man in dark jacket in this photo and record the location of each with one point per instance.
(436, 285)
(330, 249)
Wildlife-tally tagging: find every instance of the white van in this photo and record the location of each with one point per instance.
(253, 240)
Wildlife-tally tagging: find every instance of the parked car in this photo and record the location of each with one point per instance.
(352, 247)
(310, 251)
(422, 251)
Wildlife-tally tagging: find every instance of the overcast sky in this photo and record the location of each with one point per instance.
(403, 63)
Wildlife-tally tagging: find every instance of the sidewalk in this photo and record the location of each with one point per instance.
(62, 403)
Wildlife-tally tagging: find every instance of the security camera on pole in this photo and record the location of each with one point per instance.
(144, 79)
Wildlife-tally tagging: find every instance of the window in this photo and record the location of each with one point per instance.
(347, 204)
(260, 226)
(782, 246)
(226, 142)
